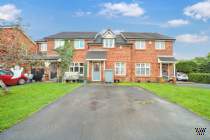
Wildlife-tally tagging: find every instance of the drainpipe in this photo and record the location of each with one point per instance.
(160, 69)
(85, 72)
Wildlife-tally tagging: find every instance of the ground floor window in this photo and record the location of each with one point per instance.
(143, 69)
(77, 67)
(120, 68)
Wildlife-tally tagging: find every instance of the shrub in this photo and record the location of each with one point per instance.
(186, 66)
(200, 77)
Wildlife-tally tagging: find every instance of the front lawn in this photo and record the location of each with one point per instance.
(194, 99)
(22, 101)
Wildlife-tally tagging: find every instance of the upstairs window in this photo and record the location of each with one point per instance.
(108, 43)
(79, 44)
(43, 47)
(59, 43)
(140, 44)
(159, 45)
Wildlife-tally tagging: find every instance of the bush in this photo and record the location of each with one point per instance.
(186, 66)
(200, 77)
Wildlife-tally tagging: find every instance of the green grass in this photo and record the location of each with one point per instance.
(22, 101)
(194, 99)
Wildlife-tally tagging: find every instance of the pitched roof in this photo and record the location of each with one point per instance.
(138, 35)
(17, 27)
(73, 35)
(118, 40)
(92, 55)
(122, 36)
(41, 40)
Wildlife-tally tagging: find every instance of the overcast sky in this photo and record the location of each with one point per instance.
(186, 20)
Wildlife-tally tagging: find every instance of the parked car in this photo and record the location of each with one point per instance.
(181, 76)
(7, 77)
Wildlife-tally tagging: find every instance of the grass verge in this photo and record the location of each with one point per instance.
(22, 101)
(194, 99)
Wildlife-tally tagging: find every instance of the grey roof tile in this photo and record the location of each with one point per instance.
(118, 40)
(119, 37)
(73, 35)
(137, 35)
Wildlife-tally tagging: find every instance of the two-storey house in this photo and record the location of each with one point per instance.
(132, 56)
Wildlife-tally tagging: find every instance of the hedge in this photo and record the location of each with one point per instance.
(199, 77)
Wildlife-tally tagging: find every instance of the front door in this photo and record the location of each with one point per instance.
(165, 72)
(96, 71)
(53, 71)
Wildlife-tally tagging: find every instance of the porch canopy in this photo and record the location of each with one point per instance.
(96, 55)
(166, 59)
(165, 63)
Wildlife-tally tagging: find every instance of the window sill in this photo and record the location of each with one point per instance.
(160, 49)
(108, 48)
(140, 49)
(144, 76)
(120, 75)
(79, 49)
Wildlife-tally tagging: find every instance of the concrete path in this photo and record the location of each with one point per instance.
(105, 112)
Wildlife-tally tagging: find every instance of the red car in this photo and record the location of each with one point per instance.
(6, 77)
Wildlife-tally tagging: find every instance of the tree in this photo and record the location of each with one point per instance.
(186, 66)
(12, 51)
(198, 64)
(65, 53)
(208, 57)
(202, 64)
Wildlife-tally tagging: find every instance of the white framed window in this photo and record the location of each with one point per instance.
(120, 68)
(108, 42)
(160, 45)
(142, 69)
(140, 44)
(43, 47)
(77, 67)
(79, 44)
(59, 43)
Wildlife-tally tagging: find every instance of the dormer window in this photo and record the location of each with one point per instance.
(108, 39)
(108, 43)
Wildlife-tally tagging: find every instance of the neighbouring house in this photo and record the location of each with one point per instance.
(12, 38)
(131, 56)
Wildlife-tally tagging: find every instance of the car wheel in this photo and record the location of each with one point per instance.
(21, 81)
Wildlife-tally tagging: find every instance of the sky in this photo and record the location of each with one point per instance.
(188, 21)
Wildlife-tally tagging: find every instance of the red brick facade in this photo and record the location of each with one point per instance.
(15, 37)
(22, 38)
(126, 53)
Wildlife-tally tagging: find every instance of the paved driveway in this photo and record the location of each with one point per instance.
(105, 112)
